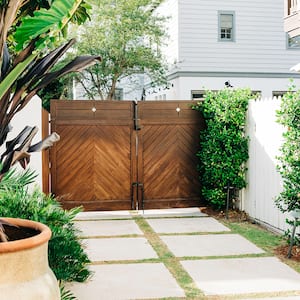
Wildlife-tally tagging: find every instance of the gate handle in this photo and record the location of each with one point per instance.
(137, 185)
(136, 117)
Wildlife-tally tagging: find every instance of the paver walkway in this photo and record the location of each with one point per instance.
(176, 254)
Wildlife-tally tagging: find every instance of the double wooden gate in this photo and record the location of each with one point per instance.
(125, 155)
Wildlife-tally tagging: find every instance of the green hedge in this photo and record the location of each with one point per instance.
(289, 166)
(223, 144)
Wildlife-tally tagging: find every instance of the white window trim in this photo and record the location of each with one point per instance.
(226, 12)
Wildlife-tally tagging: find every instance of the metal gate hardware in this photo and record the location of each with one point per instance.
(140, 186)
(136, 117)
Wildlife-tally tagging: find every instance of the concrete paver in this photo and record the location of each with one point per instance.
(131, 281)
(172, 212)
(242, 275)
(107, 249)
(186, 225)
(210, 245)
(276, 298)
(100, 215)
(108, 228)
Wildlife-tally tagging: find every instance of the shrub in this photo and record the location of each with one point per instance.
(289, 167)
(67, 257)
(289, 161)
(223, 144)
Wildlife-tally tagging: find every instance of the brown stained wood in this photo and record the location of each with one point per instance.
(45, 153)
(102, 163)
(169, 166)
(93, 165)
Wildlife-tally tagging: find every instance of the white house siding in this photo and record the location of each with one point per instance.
(182, 86)
(260, 43)
(169, 9)
(258, 58)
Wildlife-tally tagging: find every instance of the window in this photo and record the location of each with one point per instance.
(199, 94)
(278, 93)
(226, 26)
(256, 94)
(293, 42)
(118, 94)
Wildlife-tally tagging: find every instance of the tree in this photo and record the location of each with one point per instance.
(127, 34)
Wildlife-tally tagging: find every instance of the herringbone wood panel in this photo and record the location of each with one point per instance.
(112, 163)
(93, 166)
(169, 164)
(74, 163)
(102, 163)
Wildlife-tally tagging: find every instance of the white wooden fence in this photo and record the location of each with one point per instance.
(264, 181)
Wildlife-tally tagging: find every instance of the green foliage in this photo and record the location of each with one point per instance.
(54, 90)
(33, 34)
(65, 294)
(223, 144)
(67, 257)
(128, 36)
(59, 88)
(289, 167)
(46, 24)
(14, 180)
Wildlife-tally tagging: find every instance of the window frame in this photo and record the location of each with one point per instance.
(278, 94)
(233, 33)
(200, 92)
(288, 44)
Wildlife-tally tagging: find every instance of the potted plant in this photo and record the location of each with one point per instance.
(25, 273)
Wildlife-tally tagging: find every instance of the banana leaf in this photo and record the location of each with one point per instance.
(43, 20)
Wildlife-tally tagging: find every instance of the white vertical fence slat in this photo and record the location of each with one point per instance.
(264, 181)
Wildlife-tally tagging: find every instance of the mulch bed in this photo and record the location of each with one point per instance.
(233, 215)
(282, 251)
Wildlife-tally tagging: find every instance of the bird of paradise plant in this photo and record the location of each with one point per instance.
(34, 39)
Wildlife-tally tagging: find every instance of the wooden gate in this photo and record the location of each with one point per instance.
(125, 155)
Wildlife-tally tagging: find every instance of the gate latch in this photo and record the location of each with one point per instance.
(139, 186)
(136, 119)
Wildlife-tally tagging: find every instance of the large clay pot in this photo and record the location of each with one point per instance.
(24, 267)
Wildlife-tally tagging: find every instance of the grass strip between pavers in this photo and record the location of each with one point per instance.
(262, 238)
(171, 262)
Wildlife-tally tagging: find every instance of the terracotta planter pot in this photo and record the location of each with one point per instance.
(25, 272)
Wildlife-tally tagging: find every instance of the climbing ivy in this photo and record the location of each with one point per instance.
(223, 144)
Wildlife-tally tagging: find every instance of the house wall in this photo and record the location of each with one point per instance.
(260, 42)
(180, 88)
(30, 115)
(169, 9)
(258, 58)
